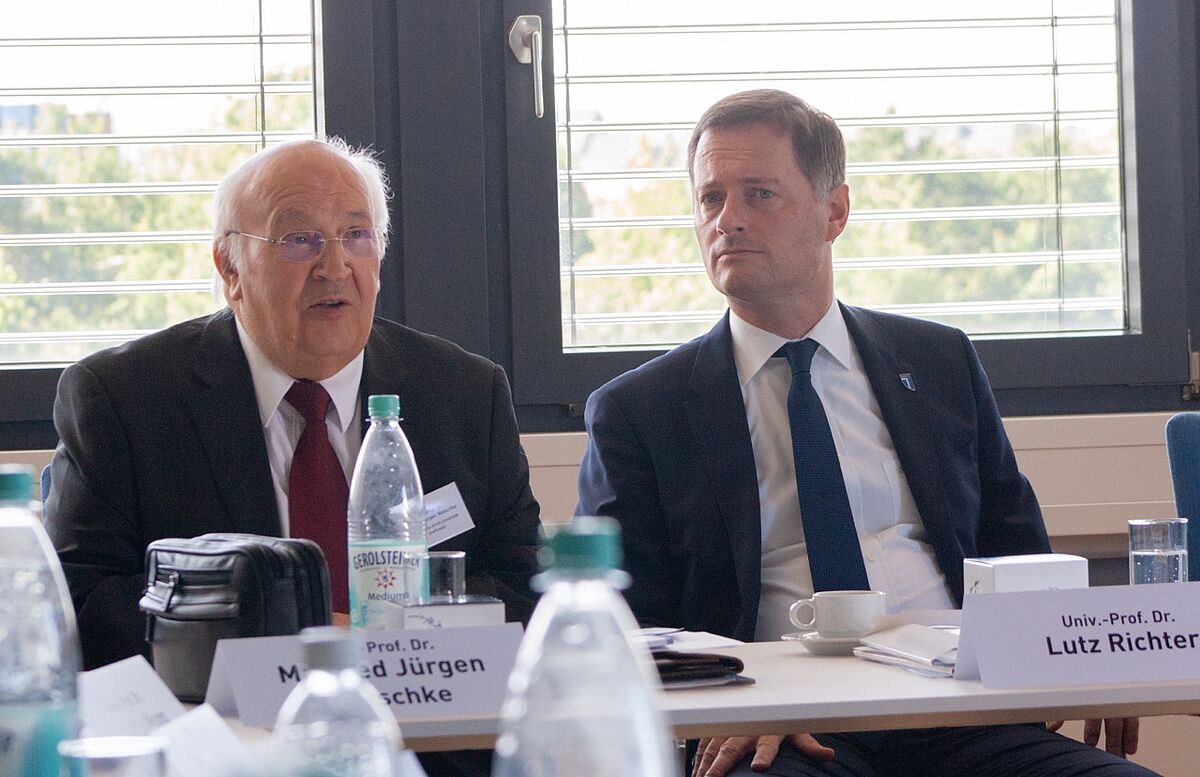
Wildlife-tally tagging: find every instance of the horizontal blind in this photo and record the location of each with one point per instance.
(983, 151)
(113, 136)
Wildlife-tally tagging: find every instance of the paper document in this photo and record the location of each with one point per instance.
(660, 638)
(924, 649)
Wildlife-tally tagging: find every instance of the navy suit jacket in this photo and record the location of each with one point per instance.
(669, 456)
(162, 438)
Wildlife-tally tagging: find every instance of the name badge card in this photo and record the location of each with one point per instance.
(419, 674)
(446, 514)
(125, 699)
(1113, 634)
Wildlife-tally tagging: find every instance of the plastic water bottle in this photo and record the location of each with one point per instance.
(39, 647)
(334, 722)
(386, 516)
(581, 698)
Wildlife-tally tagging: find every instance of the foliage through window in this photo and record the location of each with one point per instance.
(113, 135)
(982, 139)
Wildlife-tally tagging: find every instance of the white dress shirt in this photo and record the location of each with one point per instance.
(896, 553)
(283, 424)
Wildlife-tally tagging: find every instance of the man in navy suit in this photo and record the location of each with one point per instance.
(693, 452)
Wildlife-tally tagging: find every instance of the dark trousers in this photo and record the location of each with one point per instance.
(978, 751)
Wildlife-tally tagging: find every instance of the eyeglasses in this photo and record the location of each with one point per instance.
(359, 243)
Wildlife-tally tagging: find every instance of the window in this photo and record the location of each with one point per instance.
(1000, 162)
(983, 144)
(475, 253)
(113, 136)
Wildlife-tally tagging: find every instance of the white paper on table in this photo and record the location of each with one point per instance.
(658, 638)
(125, 698)
(653, 642)
(202, 744)
(692, 641)
(921, 668)
(917, 643)
(923, 649)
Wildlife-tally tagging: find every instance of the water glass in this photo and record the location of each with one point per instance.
(114, 757)
(444, 573)
(1158, 551)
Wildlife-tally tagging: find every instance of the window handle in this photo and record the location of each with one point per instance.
(525, 40)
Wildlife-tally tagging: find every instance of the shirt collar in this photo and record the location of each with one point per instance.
(271, 383)
(752, 347)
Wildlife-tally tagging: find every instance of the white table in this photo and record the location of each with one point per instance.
(799, 692)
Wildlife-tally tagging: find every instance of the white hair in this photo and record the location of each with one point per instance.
(227, 199)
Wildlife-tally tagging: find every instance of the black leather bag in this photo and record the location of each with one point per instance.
(221, 586)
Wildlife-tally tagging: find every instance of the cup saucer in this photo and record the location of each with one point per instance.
(824, 646)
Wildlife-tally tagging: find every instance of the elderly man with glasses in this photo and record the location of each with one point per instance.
(203, 427)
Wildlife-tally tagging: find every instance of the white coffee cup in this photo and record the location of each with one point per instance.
(839, 614)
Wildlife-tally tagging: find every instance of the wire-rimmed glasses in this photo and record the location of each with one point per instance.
(358, 242)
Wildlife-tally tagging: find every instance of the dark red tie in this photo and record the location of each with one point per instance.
(317, 491)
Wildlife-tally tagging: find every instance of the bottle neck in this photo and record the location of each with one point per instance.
(329, 677)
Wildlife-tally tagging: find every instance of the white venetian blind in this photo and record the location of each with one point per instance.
(983, 142)
(117, 120)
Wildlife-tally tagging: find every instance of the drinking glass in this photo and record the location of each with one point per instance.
(1158, 551)
(444, 573)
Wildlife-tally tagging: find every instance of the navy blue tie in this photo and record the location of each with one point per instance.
(834, 555)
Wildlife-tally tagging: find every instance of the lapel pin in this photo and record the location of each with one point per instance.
(906, 380)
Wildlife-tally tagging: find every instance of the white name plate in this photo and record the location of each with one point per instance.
(1144, 633)
(431, 673)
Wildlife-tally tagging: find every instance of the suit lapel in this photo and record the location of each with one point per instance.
(717, 416)
(908, 417)
(225, 413)
(382, 375)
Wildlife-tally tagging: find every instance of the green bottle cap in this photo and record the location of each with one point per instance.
(16, 482)
(587, 543)
(383, 406)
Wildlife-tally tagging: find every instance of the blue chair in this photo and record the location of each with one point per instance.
(1183, 453)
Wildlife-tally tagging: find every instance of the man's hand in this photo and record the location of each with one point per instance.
(1120, 734)
(717, 755)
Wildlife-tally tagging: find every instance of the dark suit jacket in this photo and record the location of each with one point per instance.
(161, 438)
(669, 456)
